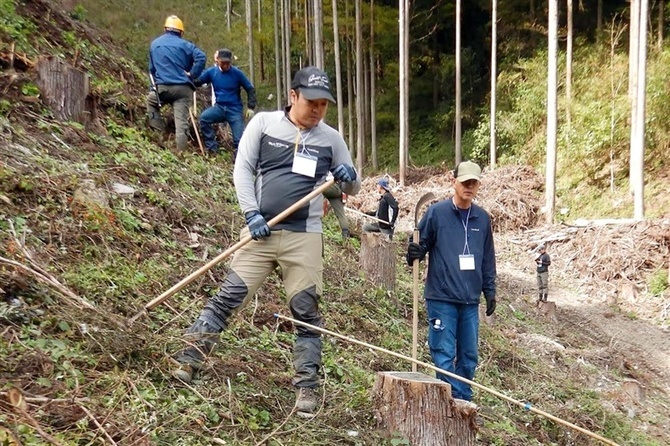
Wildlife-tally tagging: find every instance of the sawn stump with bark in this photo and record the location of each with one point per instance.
(65, 89)
(377, 259)
(421, 409)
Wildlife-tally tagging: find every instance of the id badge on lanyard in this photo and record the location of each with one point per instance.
(304, 164)
(466, 261)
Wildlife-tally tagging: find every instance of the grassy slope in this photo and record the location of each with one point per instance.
(123, 256)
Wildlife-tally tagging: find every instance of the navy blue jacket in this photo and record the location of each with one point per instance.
(227, 86)
(443, 235)
(171, 57)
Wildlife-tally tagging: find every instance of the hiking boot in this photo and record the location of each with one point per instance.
(183, 373)
(305, 399)
(202, 339)
(345, 233)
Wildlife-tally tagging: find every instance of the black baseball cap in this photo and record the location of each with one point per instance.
(224, 55)
(313, 84)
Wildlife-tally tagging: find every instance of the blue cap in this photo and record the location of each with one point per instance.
(383, 182)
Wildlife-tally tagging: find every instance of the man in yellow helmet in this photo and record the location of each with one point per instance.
(174, 63)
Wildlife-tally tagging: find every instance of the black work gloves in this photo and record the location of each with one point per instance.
(258, 227)
(415, 252)
(490, 305)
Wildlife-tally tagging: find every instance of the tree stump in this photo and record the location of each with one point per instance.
(377, 259)
(635, 390)
(628, 292)
(421, 408)
(65, 89)
(547, 309)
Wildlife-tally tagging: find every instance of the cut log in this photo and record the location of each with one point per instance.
(65, 89)
(421, 409)
(377, 259)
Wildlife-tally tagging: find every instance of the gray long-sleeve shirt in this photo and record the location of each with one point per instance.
(263, 173)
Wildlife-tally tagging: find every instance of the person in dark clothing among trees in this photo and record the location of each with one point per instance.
(387, 211)
(174, 64)
(226, 80)
(543, 261)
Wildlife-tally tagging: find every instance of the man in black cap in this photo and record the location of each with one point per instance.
(283, 156)
(456, 234)
(226, 81)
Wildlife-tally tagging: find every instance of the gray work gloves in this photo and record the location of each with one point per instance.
(258, 227)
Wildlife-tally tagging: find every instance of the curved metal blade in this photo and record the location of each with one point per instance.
(425, 198)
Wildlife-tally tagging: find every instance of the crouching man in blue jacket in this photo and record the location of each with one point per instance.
(457, 235)
(226, 80)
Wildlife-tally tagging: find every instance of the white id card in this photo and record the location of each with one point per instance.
(304, 164)
(466, 262)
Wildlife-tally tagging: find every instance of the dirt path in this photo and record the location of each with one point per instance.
(643, 345)
(637, 347)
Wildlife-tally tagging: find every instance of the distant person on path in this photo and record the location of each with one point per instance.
(226, 81)
(174, 64)
(283, 156)
(337, 198)
(457, 235)
(387, 211)
(543, 261)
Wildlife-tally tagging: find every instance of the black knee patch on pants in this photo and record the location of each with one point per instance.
(305, 308)
(230, 296)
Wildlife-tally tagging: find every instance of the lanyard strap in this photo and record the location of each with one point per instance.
(298, 138)
(466, 247)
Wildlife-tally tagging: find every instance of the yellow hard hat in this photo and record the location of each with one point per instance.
(174, 22)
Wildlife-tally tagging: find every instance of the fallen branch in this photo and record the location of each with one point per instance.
(39, 272)
(44, 399)
(18, 402)
(42, 275)
(72, 298)
(92, 418)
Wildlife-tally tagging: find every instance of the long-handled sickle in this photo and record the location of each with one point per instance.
(415, 276)
(225, 254)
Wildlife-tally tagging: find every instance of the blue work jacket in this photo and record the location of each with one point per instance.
(171, 57)
(442, 231)
(227, 84)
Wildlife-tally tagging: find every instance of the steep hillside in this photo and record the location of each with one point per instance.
(95, 222)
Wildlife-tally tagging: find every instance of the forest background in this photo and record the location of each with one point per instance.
(593, 150)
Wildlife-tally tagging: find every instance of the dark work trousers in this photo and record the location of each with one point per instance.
(181, 98)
